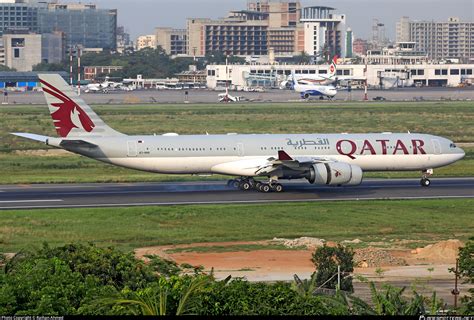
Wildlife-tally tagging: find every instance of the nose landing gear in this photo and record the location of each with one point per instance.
(425, 182)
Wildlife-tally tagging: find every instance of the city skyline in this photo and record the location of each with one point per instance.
(359, 16)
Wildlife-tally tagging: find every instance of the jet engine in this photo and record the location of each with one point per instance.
(335, 173)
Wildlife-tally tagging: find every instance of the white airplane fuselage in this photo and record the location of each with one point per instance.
(241, 154)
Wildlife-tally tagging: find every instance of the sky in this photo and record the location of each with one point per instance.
(142, 16)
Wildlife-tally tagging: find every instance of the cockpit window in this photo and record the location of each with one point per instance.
(452, 145)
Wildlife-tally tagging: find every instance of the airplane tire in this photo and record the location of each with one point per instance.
(235, 184)
(244, 185)
(306, 96)
(265, 188)
(230, 183)
(258, 185)
(425, 182)
(277, 187)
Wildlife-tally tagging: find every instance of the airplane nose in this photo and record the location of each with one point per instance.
(461, 153)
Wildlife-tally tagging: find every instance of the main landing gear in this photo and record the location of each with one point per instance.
(247, 184)
(425, 182)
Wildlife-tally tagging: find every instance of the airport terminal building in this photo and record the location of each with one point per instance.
(383, 76)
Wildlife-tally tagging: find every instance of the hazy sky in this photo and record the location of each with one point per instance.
(142, 16)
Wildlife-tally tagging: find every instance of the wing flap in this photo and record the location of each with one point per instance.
(75, 144)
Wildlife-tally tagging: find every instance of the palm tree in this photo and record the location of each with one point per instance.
(152, 303)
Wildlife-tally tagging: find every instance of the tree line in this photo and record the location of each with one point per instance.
(83, 279)
(149, 62)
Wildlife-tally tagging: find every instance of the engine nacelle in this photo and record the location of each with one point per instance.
(335, 173)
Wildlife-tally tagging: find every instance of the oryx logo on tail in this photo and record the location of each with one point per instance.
(69, 114)
(333, 66)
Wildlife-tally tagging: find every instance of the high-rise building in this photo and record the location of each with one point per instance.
(123, 40)
(266, 25)
(53, 47)
(19, 14)
(173, 41)
(453, 39)
(83, 24)
(324, 32)
(349, 43)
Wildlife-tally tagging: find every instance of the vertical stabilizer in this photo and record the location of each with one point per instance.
(72, 117)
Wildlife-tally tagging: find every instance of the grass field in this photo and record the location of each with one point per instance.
(128, 228)
(450, 119)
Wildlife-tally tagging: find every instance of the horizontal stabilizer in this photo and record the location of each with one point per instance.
(31, 136)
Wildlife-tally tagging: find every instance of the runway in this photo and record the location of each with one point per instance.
(270, 95)
(216, 192)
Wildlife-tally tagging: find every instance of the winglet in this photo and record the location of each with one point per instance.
(283, 156)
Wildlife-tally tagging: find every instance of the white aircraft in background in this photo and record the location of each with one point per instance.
(103, 86)
(330, 78)
(226, 97)
(310, 90)
(322, 159)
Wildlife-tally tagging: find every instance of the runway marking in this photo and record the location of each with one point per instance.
(24, 201)
(228, 202)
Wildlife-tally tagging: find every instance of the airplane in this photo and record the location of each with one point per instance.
(319, 79)
(103, 87)
(321, 159)
(226, 97)
(310, 90)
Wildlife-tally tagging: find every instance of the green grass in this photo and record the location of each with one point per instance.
(449, 119)
(128, 228)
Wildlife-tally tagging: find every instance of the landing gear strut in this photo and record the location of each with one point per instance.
(425, 182)
(247, 184)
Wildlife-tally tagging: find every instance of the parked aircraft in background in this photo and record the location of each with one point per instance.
(104, 87)
(330, 78)
(226, 97)
(310, 90)
(322, 159)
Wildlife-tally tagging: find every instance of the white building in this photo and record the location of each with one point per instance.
(452, 39)
(146, 41)
(324, 32)
(378, 75)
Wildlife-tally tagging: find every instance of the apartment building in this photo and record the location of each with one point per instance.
(173, 41)
(453, 39)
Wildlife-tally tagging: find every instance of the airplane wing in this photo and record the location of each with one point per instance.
(284, 160)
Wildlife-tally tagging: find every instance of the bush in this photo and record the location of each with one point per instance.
(326, 259)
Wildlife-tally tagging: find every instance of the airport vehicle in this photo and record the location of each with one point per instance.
(322, 159)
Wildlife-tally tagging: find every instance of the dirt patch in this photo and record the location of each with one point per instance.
(263, 261)
(440, 252)
(271, 265)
